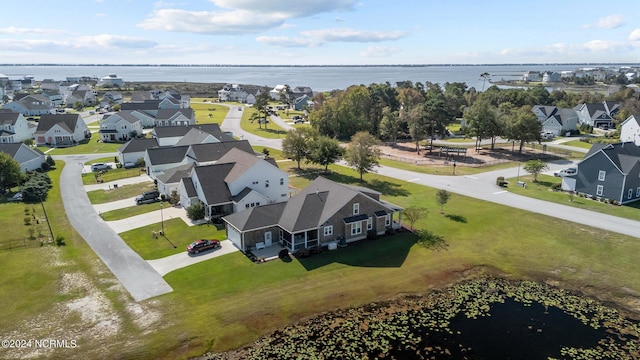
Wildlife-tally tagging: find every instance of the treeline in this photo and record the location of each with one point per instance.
(423, 111)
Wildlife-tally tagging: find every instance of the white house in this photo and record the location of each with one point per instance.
(531, 76)
(120, 126)
(238, 181)
(175, 117)
(14, 128)
(29, 158)
(171, 135)
(556, 120)
(232, 92)
(630, 130)
(61, 130)
(276, 91)
(31, 105)
(111, 80)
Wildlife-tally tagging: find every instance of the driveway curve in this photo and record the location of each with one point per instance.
(140, 279)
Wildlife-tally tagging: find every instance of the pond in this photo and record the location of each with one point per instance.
(485, 318)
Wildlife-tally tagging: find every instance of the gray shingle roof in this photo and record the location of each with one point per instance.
(138, 145)
(214, 188)
(167, 155)
(175, 174)
(257, 217)
(216, 151)
(174, 131)
(66, 121)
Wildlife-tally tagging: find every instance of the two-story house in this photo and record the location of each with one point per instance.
(608, 171)
(175, 117)
(171, 135)
(232, 92)
(556, 120)
(31, 105)
(597, 115)
(14, 128)
(120, 126)
(29, 158)
(630, 130)
(323, 213)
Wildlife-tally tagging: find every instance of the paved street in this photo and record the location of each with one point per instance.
(140, 279)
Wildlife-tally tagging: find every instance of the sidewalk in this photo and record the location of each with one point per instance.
(154, 217)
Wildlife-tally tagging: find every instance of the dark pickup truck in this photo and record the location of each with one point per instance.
(148, 197)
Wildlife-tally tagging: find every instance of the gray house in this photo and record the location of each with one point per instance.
(609, 171)
(323, 213)
(29, 158)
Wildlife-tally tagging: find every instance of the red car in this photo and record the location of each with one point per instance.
(202, 245)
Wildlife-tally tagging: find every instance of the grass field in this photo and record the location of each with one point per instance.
(122, 192)
(111, 175)
(208, 112)
(87, 146)
(228, 302)
(269, 131)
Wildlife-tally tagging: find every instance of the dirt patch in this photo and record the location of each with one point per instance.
(439, 156)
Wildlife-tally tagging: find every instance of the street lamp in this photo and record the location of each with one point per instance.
(161, 218)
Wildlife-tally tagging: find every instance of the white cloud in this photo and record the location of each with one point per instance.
(239, 16)
(285, 41)
(115, 41)
(608, 22)
(606, 46)
(100, 14)
(30, 31)
(352, 35)
(378, 51)
(635, 35)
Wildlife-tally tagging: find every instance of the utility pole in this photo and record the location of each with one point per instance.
(47, 217)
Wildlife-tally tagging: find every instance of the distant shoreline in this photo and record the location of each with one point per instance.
(324, 66)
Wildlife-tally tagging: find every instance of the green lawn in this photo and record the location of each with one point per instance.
(111, 175)
(269, 131)
(209, 112)
(133, 210)
(461, 169)
(87, 146)
(578, 143)
(122, 192)
(542, 190)
(177, 235)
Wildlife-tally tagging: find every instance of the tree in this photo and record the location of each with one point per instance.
(324, 151)
(442, 196)
(482, 122)
(9, 171)
(78, 105)
(262, 102)
(485, 76)
(363, 153)
(195, 211)
(523, 126)
(295, 144)
(390, 124)
(535, 167)
(414, 214)
(435, 111)
(50, 161)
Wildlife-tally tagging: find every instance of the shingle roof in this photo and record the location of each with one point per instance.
(138, 145)
(65, 121)
(214, 189)
(175, 174)
(216, 151)
(623, 155)
(188, 187)
(9, 118)
(146, 105)
(164, 114)
(167, 155)
(257, 217)
(174, 131)
(241, 159)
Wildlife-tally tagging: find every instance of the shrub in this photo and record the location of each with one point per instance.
(556, 187)
(60, 240)
(196, 212)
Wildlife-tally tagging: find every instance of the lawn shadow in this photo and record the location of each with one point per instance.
(387, 188)
(382, 252)
(457, 218)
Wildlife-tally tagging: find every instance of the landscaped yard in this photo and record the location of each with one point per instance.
(269, 131)
(133, 210)
(111, 175)
(228, 301)
(208, 112)
(177, 235)
(543, 190)
(120, 193)
(87, 146)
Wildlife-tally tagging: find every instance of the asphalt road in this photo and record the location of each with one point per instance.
(140, 279)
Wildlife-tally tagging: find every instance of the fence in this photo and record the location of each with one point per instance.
(14, 245)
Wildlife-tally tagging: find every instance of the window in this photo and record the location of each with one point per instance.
(356, 209)
(356, 228)
(638, 192)
(258, 204)
(281, 181)
(255, 183)
(387, 220)
(266, 183)
(283, 195)
(599, 190)
(328, 230)
(370, 223)
(630, 194)
(601, 175)
(247, 206)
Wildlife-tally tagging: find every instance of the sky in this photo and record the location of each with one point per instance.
(320, 32)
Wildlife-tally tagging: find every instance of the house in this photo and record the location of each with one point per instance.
(158, 160)
(113, 97)
(252, 95)
(630, 130)
(171, 135)
(608, 171)
(14, 128)
(120, 126)
(323, 213)
(551, 76)
(232, 92)
(531, 76)
(31, 105)
(597, 115)
(29, 158)
(149, 107)
(211, 153)
(135, 149)
(54, 97)
(50, 84)
(302, 102)
(175, 117)
(111, 80)
(276, 91)
(237, 181)
(170, 180)
(183, 101)
(85, 97)
(556, 120)
(61, 130)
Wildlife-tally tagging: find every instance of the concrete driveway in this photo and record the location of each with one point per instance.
(178, 261)
(140, 279)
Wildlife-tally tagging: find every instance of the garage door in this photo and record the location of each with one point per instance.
(234, 236)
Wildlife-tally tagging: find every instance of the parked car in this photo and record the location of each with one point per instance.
(16, 197)
(566, 172)
(100, 166)
(129, 165)
(148, 197)
(202, 245)
(298, 121)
